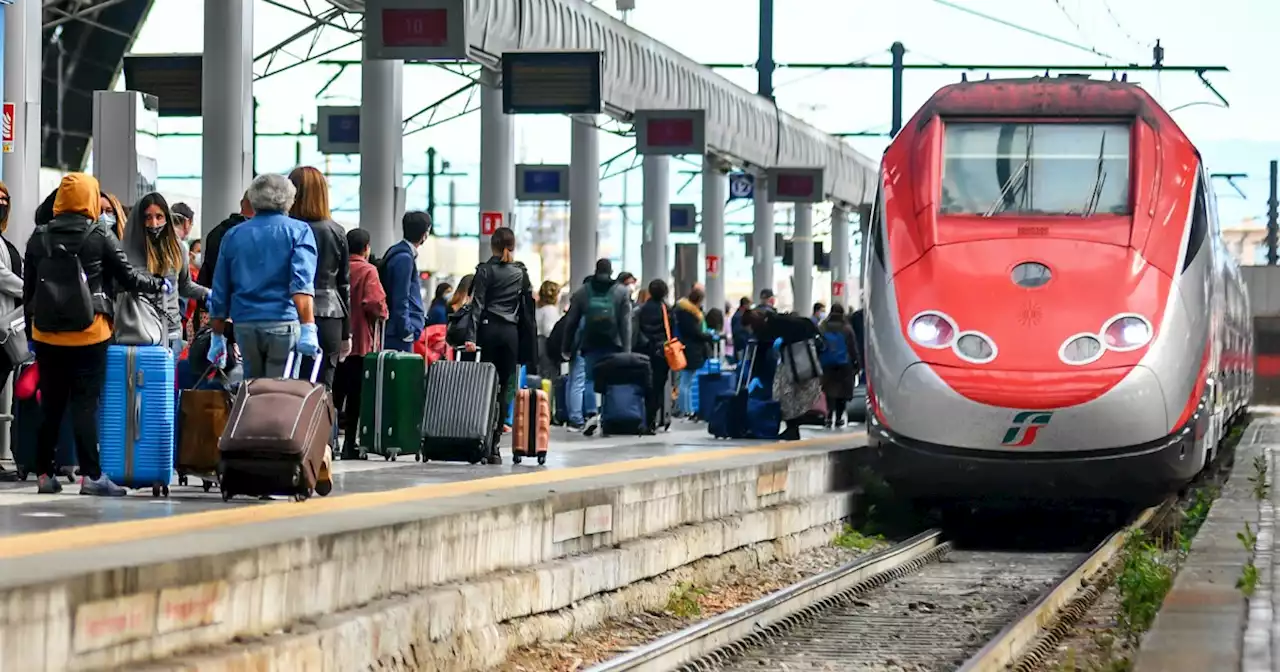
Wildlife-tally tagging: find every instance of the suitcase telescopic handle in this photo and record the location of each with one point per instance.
(457, 353)
(293, 365)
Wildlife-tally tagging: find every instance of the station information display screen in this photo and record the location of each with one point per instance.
(671, 132)
(795, 185)
(551, 82)
(175, 79)
(415, 27)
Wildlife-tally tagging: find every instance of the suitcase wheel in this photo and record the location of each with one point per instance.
(208, 485)
(226, 494)
(323, 488)
(22, 473)
(183, 480)
(417, 457)
(516, 459)
(157, 490)
(542, 459)
(302, 496)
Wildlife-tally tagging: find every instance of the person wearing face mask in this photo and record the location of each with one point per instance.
(151, 242)
(438, 311)
(404, 288)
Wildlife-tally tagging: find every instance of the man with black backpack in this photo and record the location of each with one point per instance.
(598, 324)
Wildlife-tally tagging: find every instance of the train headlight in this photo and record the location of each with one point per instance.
(1126, 332)
(1081, 349)
(975, 347)
(932, 330)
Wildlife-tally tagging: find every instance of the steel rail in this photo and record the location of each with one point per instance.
(730, 627)
(1039, 628)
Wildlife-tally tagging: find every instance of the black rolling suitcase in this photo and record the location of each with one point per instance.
(458, 424)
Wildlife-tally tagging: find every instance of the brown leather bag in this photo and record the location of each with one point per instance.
(203, 415)
(672, 349)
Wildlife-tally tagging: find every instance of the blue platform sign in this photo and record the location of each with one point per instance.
(741, 186)
(338, 129)
(684, 218)
(542, 182)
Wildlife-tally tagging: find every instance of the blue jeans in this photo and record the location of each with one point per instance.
(685, 396)
(398, 344)
(265, 347)
(581, 395)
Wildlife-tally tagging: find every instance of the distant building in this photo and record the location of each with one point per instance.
(1247, 241)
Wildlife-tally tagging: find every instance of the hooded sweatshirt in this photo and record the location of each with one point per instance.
(135, 248)
(601, 282)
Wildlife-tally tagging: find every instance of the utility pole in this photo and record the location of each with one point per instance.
(765, 64)
(1273, 219)
(897, 51)
(431, 184)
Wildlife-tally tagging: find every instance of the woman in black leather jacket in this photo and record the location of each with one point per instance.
(333, 269)
(504, 325)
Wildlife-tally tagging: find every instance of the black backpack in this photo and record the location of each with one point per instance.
(555, 341)
(63, 302)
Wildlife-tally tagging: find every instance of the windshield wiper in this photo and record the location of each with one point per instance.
(1019, 180)
(1095, 194)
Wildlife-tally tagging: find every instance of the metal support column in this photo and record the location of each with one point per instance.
(584, 198)
(1273, 214)
(657, 219)
(714, 186)
(227, 92)
(22, 87)
(762, 256)
(497, 156)
(840, 256)
(897, 51)
(381, 156)
(802, 239)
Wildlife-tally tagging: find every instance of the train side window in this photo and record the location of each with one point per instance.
(877, 227)
(1199, 225)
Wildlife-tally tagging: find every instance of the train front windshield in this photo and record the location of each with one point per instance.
(994, 168)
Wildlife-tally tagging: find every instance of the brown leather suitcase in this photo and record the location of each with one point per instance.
(276, 441)
(531, 436)
(203, 415)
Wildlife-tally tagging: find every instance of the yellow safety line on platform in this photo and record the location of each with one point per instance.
(92, 536)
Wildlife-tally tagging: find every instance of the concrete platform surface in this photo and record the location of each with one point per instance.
(399, 568)
(1205, 622)
(22, 511)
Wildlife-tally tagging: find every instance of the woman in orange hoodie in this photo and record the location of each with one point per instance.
(66, 316)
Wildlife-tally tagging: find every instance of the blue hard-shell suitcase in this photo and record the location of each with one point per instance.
(622, 410)
(709, 386)
(136, 417)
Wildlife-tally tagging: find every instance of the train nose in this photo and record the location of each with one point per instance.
(1031, 389)
(1106, 408)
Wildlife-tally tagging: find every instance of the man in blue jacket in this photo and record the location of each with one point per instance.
(407, 316)
(265, 284)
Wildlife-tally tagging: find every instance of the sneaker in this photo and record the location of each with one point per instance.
(48, 485)
(101, 487)
(574, 428)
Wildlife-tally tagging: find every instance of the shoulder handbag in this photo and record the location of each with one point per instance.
(13, 337)
(672, 349)
(137, 321)
(802, 358)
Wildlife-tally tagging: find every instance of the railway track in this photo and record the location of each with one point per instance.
(919, 606)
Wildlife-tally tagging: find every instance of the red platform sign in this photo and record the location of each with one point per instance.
(415, 27)
(837, 290)
(6, 127)
(713, 265)
(490, 222)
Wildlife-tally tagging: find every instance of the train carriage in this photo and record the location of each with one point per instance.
(1050, 309)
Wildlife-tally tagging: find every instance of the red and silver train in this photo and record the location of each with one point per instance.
(1050, 310)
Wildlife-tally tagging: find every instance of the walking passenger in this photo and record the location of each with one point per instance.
(775, 329)
(654, 322)
(368, 307)
(264, 284)
(691, 330)
(503, 322)
(65, 310)
(404, 288)
(151, 242)
(839, 364)
(738, 332)
(10, 293)
(548, 314)
(600, 320)
(333, 270)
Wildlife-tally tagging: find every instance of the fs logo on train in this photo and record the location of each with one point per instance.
(1026, 425)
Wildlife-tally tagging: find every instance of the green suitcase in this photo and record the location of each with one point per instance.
(392, 393)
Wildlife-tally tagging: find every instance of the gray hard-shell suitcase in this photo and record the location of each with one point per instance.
(458, 425)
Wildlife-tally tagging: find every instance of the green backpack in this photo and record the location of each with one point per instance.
(600, 321)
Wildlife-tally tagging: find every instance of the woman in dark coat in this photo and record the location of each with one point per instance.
(796, 398)
(838, 380)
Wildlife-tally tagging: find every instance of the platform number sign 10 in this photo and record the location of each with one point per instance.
(415, 27)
